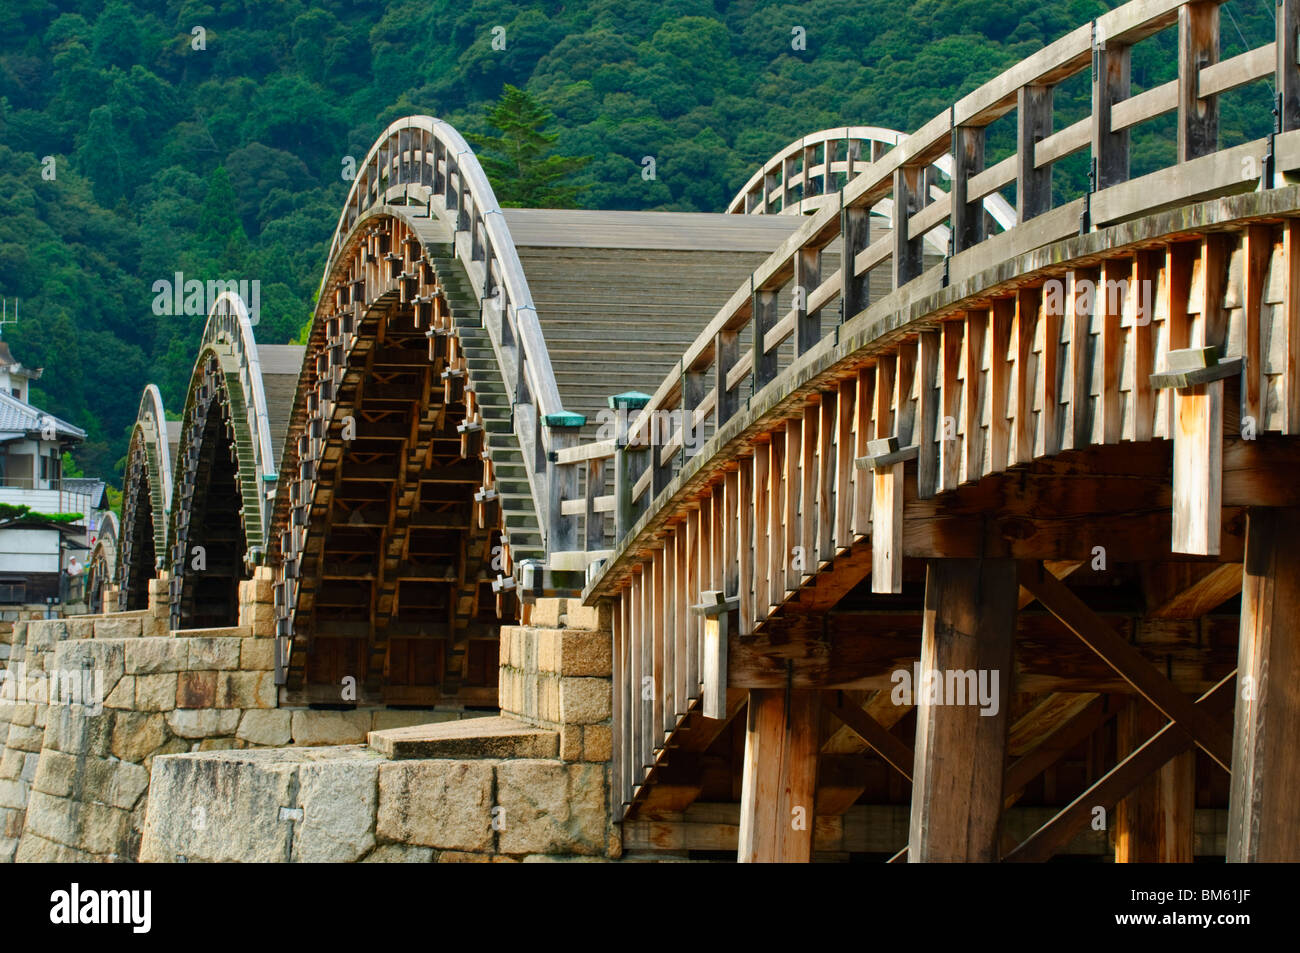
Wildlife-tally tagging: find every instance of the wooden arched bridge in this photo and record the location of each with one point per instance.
(976, 498)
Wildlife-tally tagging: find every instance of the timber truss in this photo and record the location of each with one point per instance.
(394, 547)
(1060, 460)
(146, 503)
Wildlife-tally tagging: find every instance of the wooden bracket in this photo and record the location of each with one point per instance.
(1191, 366)
(716, 609)
(885, 453)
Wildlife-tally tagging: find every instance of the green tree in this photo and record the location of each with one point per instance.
(517, 162)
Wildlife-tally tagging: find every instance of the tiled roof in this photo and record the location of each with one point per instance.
(18, 418)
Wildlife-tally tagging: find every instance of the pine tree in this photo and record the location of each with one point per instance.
(517, 162)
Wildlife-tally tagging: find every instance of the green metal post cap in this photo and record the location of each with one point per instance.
(565, 419)
(629, 400)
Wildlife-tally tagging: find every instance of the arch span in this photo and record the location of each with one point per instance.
(146, 502)
(808, 174)
(102, 567)
(405, 497)
(225, 473)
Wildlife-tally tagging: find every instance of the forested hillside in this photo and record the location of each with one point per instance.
(226, 161)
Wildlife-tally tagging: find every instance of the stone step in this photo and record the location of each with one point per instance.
(494, 737)
(232, 632)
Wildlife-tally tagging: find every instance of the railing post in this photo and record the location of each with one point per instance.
(1288, 62)
(624, 405)
(1198, 46)
(561, 482)
(593, 522)
(968, 160)
(807, 276)
(1033, 124)
(909, 198)
(855, 233)
(726, 350)
(692, 393)
(1110, 84)
(765, 318)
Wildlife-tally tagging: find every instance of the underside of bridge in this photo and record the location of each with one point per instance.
(146, 490)
(214, 542)
(394, 546)
(825, 693)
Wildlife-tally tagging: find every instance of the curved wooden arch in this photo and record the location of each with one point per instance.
(389, 558)
(807, 175)
(146, 502)
(102, 567)
(422, 167)
(225, 442)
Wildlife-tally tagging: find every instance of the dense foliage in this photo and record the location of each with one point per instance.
(226, 161)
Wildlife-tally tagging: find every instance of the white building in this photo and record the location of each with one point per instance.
(40, 557)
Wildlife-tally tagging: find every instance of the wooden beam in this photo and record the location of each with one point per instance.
(1184, 590)
(969, 623)
(779, 781)
(1086, 712)
(1170, 741)
(1126, 661)
(1264, 810)
(896, 752)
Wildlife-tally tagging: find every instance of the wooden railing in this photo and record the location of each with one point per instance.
(627, 474)
(809, 173)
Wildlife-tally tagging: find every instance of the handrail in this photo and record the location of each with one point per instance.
(151, 414)
(704, 388)
(757, 196)
(229, 323)
(486, 221)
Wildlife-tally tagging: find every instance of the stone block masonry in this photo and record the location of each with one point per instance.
(555, 673)
(75, 770)
(531, 785)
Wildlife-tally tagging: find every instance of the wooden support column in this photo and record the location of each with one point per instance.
(562, 484)
(779, 786)
(765, 318)
(967, 215)
(1198, 47)
(929, 416)
(1154, 824)
(726, 349)
(1198, 469)
(1033, 124)
(969, 625)
(1264, 809)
